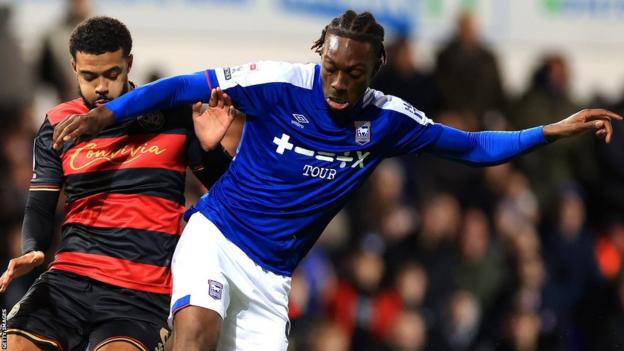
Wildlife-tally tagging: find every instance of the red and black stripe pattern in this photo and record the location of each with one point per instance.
(125, 196)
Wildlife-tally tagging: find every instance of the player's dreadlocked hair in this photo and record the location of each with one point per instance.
(98, 35)
(360, 27)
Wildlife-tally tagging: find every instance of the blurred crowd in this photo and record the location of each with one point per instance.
(430, 255)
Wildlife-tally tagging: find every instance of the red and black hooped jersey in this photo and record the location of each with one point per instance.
(125, 195)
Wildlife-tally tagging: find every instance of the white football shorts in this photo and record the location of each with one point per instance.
(210, 271)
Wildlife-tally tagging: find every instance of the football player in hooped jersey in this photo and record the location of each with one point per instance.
(313, 135)
(109, 285)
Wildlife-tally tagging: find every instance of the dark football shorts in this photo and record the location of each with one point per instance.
(66, 311)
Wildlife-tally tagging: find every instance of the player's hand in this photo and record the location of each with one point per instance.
(20, 266)
(211, 125)
(74, 126)
(598, 120)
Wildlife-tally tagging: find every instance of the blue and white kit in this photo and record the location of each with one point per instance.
(296, 166)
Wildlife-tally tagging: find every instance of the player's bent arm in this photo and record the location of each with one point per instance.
(485, 148)
(37, 230)
(162, 94)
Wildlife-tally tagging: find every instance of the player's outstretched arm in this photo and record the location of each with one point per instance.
(484, 148)
(490, 148)
(162, 94)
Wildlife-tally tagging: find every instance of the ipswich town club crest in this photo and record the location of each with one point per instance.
(362, 132)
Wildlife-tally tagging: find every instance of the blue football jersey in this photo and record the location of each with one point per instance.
(296, 166)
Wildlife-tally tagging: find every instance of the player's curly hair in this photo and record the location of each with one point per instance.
(98, 35)
(360, 27)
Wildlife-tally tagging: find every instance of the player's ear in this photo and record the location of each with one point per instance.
(73, 64)
(129, 60)
(376, 68)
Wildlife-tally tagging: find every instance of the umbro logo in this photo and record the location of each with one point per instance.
(299, 120)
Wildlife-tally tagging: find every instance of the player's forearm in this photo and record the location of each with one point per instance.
(214, 164)
(162, 94)
(38, 224)
(486, 148)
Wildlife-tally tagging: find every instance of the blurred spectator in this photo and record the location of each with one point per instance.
(528, 294)
(522, 332)
(574, 280)
(431, 247)
(408, 333)
(15, 81)
(460, 327)
(386, 208)
(328, 336)
(546, 99)
(402, 77)
(312, 285)
(406, 294)
(606, 189)
(518, 207)
(467, 73)
(568, 250)
(16, 151)
(52, 64)
(355, 304)
(548, 96)
(480, 266)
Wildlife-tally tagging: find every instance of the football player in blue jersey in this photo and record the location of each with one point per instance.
(313, 134)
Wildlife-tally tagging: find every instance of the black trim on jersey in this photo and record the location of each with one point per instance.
(156, 248)
(38, 224)
(162, 183)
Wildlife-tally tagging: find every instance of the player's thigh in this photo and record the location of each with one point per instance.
(196, 328)
(53, 314)
(118, 346)
(257, 319)
(198, 270)
(20, 343)
(128, 317)
(249, 329)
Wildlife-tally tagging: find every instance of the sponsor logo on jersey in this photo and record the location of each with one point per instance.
(354, 159)
(351, 159)
(92, 153)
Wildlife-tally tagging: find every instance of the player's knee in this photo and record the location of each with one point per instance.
(196, 328)
(20, 343)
